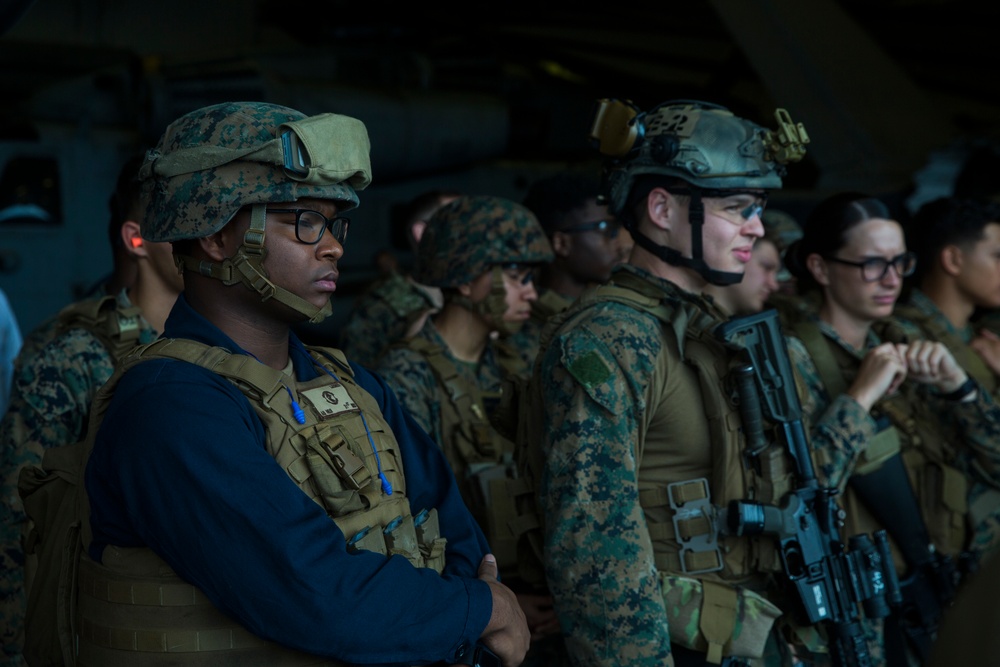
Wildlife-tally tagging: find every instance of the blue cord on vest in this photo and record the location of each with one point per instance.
(386, 486)
(297, 412)
(300, 415)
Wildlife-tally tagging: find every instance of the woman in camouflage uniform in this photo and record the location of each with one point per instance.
(867, 384)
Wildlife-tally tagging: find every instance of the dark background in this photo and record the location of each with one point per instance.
(483, 97)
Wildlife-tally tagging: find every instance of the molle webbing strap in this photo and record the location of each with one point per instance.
(548, 304)
(122, 622)
(966, 357)
(117, 328)
(819, 350)
(465, 399)
(718, 617)
(265, 382)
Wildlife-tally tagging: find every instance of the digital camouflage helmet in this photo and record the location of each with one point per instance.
(706, 146)
(212, 162)
(473, 235)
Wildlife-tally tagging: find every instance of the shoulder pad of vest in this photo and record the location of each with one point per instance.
(549, 303)
(117, 328)
(85, 312)
(333, 354)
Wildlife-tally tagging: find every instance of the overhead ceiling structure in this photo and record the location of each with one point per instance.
(879, 84)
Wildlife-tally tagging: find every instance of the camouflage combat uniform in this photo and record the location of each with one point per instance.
(50, 404)
(920, 312)
(841, 429)
(519, 350)
(410, 375)
(470, 237)
(391, 309)
(628, 410)
(960, 447)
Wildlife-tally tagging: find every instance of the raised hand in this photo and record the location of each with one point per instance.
(930, 362)
(881, 372)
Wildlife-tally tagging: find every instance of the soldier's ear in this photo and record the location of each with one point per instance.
(952, 258)
(562, 243)
(661, 208)
(818, 268)
(417, 230)
(132, 238)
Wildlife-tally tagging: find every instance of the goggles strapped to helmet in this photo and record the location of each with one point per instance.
(319, 150)
(309, 150)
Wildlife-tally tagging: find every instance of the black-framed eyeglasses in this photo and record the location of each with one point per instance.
(607, 228)
(310, 225)
(519, 273)
(876, 268)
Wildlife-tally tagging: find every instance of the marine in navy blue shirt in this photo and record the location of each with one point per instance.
(253, 197)
(179, 465)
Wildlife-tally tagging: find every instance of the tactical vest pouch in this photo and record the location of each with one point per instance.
(737, 620)
(141, 613)
(694, 526)
(489, 482)
(401, 539)
(52, 547)
(339, 474)
(429, 539)
(880, 448)
(369, 538)
(943, 493)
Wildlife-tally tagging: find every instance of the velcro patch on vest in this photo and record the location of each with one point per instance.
(329, 402)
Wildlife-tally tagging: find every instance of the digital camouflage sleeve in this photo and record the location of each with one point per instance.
(600, 565)
(53, 387)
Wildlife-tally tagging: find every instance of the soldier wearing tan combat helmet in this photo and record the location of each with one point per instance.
(634, 414)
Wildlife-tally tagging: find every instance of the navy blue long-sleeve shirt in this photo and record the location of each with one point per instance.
(179, 465)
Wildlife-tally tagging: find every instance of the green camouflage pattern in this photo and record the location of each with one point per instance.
(683, 599)
(412, 379)
(840, 430)
(50, 405)
(606, 368)
(933, 324)
(202, 201)
(921, 314)
(705, 145)
(383, 314)
(464, 238)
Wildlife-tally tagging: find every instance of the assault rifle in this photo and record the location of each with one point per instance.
(932, 577)
(829, 579)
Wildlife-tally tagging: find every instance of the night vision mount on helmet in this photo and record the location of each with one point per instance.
(706, 146)
(212, 162)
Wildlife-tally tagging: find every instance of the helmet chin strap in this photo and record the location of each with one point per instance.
(247, 266)
(696, 217)
(493, 307)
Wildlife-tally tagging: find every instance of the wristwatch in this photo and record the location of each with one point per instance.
(479, 656)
